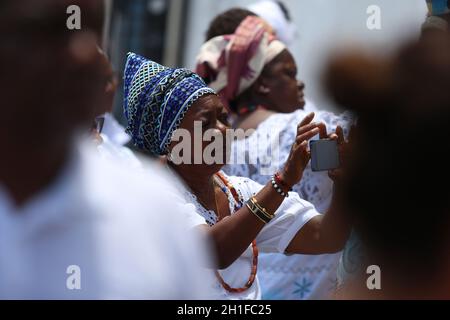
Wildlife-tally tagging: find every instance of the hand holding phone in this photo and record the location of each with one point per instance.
(324, 154)
(299, 156)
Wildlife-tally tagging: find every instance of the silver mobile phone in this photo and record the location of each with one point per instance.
(324, 154)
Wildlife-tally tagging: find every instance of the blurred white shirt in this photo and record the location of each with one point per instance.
(111, 151)
(114, 130)
(123, 230)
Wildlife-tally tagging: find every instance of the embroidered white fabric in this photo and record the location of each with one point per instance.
(121, 227)
(297, 276)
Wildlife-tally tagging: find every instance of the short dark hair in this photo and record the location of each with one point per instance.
(227, 22)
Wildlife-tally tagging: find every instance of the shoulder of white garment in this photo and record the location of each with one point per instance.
(142, 206)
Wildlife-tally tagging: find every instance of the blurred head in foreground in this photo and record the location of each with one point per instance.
(50, 74)
(51, 80)
(397, 188)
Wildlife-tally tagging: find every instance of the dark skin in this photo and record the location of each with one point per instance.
(52, 79)
(233, 234)
(277, 90)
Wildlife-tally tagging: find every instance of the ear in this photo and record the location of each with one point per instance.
(261, 86)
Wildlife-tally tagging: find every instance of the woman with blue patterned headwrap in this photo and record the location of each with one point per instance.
(160, 90)
(243, 216)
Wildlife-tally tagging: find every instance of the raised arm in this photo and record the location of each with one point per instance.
(232, 235)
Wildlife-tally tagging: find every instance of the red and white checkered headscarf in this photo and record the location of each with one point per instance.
(232, 63)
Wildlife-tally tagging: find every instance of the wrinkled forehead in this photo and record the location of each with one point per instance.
(205, 106)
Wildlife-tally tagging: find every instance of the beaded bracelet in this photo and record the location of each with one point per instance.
(260, 212)
(280, 186)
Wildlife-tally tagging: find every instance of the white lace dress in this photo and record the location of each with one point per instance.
(290, 217)
(297, 276)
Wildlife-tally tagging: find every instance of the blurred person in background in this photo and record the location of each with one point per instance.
(228, 21)
(110, 141)
(353, 262)
(276, 14)
(255, 75)
(71, 225)
(239, 216)
(396, 190)
(243, 67)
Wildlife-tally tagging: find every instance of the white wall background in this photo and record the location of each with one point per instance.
(322, 27)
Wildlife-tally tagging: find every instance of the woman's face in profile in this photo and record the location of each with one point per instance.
(285, 92)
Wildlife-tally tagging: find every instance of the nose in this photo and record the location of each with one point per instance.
(300, 85)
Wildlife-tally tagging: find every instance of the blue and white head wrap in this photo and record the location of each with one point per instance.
(156, 98)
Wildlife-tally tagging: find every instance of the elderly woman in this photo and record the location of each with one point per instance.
(239, 216)
(255, 75)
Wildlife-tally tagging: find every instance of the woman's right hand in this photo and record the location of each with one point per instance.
(300, 154)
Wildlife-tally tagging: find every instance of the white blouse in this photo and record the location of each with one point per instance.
(290, 217)
(121, 228)
(296, 276)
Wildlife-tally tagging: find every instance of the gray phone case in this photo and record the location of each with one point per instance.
(324, 155)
